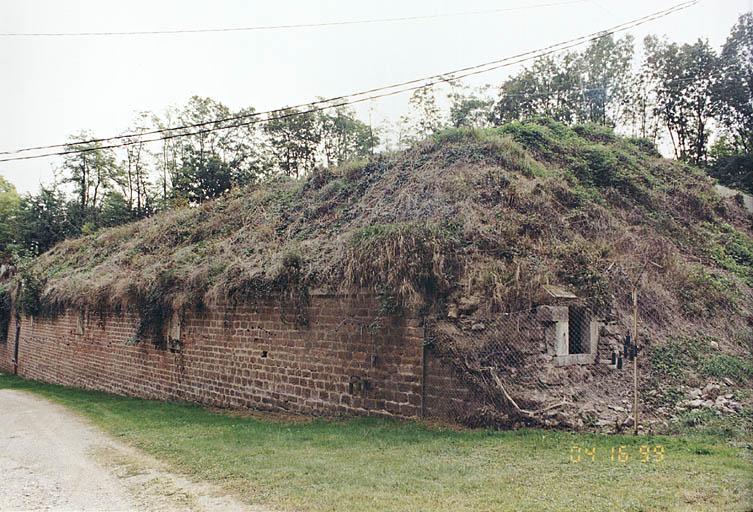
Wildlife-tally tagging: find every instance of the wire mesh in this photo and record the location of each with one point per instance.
(565, 366)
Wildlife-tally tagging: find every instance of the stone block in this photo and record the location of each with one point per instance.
(551, 313)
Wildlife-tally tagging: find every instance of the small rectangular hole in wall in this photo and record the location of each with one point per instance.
(263, 353)
(174, 329)
(80, 322)
(578, 321)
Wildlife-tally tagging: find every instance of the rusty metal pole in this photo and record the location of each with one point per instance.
(635, 360)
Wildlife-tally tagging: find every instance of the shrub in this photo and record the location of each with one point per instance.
(30, 295)
(667, 361)
(580, 267)
(678, 357)
(595, 132)
(645, 145)
(731, 249)
(456, 135)
(154, 308)
(725, 365)
(532, 136)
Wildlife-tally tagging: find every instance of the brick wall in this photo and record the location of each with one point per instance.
(251, 356)
(446, 396)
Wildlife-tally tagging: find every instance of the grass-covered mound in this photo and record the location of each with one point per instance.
(491, 214)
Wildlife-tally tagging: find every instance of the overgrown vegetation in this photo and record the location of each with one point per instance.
(685, 356)
(492, 212)
(686, 91)
(414, 262)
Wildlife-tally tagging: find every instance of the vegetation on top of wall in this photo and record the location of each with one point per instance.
(416, 262)
(492, 212)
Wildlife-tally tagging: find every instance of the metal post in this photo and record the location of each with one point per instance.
(16, 343)
(635, 360)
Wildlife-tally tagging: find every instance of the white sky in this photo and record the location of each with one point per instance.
(53, 87)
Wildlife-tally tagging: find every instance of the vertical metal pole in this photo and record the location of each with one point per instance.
(635, 360)
(16, 343)
(424, 362)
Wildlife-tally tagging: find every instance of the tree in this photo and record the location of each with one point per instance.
(234, 147)
(203, 177)
(606, 67)
(168, 160)
(686, 78)
(42, 220)
(234, 142)
(551, 88)
(577, 87)
(733, 93)
(134, 179)
(92, 171)
(469, 110)
(639, 105)
(294, 137)
(731, 166)
(425, 117)
(116, 210)
(344, 137)
(9, 205)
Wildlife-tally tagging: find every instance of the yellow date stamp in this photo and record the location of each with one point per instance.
(645, 454)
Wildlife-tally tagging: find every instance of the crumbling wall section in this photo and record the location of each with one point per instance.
(447, 395)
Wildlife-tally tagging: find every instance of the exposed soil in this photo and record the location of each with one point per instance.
(50, 459)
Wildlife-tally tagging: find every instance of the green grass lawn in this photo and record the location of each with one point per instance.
(369, 464)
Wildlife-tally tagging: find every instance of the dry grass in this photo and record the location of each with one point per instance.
(489, 213)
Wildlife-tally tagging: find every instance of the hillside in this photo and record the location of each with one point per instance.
(491, 214)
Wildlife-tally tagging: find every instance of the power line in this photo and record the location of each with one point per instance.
(288, 26)
(444, 77)
(329, 103)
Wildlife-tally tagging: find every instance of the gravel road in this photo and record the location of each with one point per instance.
(51, 459)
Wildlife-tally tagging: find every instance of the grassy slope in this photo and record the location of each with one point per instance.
(539, 201)
(368, 464)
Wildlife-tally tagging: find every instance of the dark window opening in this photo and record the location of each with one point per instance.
(263, 353)
(578, 330)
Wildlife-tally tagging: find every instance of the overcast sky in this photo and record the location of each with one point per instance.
(53, 87)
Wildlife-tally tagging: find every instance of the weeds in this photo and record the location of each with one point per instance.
(684, 356)
(30, 300)
(415, 262)
(726, 365)
(705, 293)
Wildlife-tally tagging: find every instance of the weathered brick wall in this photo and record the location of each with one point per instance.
(250, 356)
(446, 396)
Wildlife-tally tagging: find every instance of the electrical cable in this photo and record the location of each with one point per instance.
(288, 26)
(333, 102)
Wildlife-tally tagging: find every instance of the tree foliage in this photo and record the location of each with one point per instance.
(733, 94)
(685, 76)
(692, 98)
(589, 86)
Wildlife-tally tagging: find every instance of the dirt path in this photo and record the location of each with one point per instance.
(50, 459)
